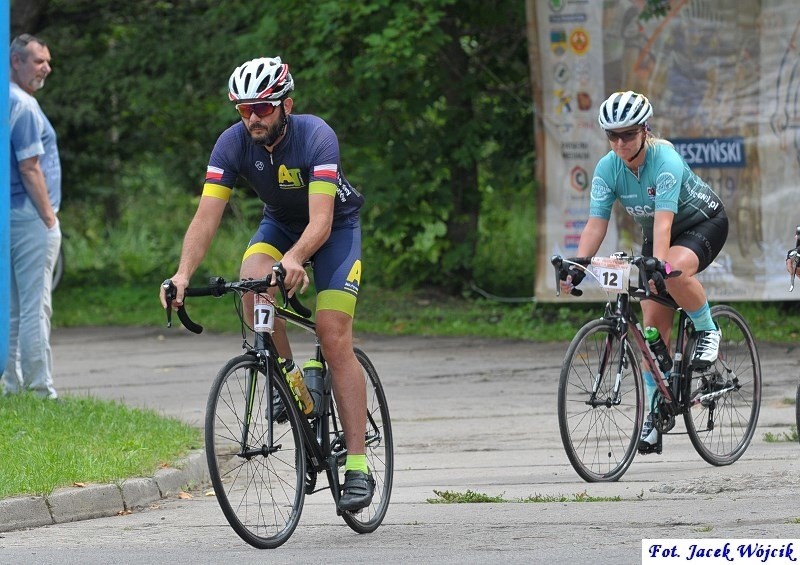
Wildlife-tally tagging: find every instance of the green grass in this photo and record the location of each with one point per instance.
(790, 436)
(45, 445)
(470, 497)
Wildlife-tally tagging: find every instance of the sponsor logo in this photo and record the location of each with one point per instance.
(563, 102)
(567, 18)
(584, 101)
(572, 241)
(600, 190)
(579, 178)
(576, 150)
(714, 152)
(557, 5)
(260, 165)
(290, 178)
(575, 224)
(353, 280)
(561, 73)
(640, 211)
(558, 41)
(579, 41)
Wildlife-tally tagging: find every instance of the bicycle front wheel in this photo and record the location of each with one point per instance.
(600, 403)
(379, 450)
(724, 400)
(797, 410)
(256, 456)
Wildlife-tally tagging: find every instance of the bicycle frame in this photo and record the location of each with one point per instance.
(315, 432)
(629, 326)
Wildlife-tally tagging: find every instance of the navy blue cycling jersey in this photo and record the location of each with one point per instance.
(306, 161)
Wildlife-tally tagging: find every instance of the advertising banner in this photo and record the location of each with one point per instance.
(723, 77)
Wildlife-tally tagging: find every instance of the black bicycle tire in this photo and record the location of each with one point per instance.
(690, 415)
(567, 423)
(797, 411)
(376, 511)
(218, 393)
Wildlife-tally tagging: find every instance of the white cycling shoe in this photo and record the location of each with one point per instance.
(706, 348)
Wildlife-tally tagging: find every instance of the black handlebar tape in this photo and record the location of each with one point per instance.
(299, 307)
(187, 322)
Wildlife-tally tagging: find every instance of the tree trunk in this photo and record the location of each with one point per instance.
(27, 16)
(462, 224)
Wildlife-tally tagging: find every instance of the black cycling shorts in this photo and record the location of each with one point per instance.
(705, 239)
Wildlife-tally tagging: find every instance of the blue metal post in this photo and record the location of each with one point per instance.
(5, 182)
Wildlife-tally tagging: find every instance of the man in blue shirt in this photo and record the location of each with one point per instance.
(35, 230)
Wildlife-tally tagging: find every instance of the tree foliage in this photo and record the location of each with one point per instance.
(431, 102)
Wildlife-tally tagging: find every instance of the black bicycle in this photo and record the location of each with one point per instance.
(264, 454)
(601, 403)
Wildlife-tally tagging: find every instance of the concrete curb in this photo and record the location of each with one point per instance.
(72, 504)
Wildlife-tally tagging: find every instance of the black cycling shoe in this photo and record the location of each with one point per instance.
(357, 491)
(645, 448)
(650, 439)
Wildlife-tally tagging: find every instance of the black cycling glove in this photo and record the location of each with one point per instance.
(576, 272)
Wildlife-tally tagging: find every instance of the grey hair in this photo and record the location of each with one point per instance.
(20, 43)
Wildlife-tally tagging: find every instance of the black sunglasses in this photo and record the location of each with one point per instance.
(625, 136)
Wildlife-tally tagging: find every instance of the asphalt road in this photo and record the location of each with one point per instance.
(467, 414)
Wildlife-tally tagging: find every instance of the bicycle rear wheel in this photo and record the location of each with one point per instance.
(725, 399)
(379, 450)
(257, 465)
(600, 431)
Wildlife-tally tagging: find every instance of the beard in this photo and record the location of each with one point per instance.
(268, 135)
(38, 83)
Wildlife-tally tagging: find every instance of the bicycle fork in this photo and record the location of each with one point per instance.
(608, 352)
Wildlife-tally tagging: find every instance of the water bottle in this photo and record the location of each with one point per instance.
(659, 348)
(297, 385)
(312, 374)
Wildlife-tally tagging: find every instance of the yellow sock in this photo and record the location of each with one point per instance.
(356, 463)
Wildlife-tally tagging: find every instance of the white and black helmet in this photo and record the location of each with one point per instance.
(624, 109)
(266, 78)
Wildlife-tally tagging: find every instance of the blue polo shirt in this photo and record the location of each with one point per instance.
(32, 135)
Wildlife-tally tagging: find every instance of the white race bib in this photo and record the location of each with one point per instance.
(612, 273)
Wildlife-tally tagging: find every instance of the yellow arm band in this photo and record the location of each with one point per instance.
(322, 187)
(217, 191)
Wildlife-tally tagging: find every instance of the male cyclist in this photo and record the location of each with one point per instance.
(311, 211)
(682, 220)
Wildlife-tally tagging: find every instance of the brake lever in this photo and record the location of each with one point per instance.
(556, 261)
(169, 293)
(277, 280)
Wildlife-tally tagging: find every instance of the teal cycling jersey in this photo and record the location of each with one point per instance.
(664, 182)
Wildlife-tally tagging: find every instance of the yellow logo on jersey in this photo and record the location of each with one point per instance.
(289, 178)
